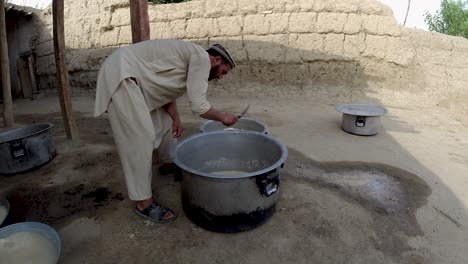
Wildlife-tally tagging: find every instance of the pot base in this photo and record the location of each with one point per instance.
(358, 133)
(227, 223)
(36, 167)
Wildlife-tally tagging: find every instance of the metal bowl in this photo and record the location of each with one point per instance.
(4, 203)
(243, 124)
(44, 230)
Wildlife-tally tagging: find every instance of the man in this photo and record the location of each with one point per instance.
(138, 86)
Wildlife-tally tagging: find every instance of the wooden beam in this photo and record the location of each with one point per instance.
(5, 70)
(24, 77)
(140, 20)
(62, 71)
(31, 63)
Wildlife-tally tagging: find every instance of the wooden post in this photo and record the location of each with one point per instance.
(62, 71)
(140, 20)
(5, 70)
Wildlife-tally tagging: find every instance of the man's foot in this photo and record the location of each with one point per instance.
(156, 213)
(168, 168)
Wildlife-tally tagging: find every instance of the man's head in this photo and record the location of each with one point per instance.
(221, 62)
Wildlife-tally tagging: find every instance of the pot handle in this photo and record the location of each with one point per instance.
(268, 183)
(360, 121)
(17, 150)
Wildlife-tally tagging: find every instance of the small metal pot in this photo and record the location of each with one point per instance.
(26, 148)
(243, 124)
(230, 203)
(361, 119)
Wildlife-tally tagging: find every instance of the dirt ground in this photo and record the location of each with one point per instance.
(397, 197)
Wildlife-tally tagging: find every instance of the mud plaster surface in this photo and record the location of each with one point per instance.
(397, 197)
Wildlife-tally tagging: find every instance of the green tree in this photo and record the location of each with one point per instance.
(451, 19)
(167, 1)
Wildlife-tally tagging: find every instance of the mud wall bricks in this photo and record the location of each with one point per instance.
(266, 32)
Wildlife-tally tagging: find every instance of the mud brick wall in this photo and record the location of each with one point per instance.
(304, 47)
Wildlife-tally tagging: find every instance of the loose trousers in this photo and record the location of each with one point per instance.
(137, 133)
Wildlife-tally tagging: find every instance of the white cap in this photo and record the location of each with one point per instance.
(224, 53)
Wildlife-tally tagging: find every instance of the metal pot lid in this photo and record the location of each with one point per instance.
(23, 132)
(361, 109)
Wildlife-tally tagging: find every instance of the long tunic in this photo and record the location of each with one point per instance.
(164, 70)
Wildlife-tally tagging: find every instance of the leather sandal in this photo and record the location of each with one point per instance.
(155, 213)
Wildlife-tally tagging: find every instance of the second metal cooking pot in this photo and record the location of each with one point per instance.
(361, 119)
(243, 124)
(236, 201)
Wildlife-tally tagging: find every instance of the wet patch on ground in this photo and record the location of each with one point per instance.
(390, 194)
(51, 205)
(83, 177)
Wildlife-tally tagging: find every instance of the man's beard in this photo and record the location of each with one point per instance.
(213, 72)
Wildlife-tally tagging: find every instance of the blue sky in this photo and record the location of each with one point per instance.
(415, 17)
(417, 10)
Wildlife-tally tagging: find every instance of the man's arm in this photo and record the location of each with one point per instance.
(171, 109)
(225, 118)
(197, 85)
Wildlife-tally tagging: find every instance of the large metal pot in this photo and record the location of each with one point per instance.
(361, 119)
(243, 124)
(26, 148)
(237, 202)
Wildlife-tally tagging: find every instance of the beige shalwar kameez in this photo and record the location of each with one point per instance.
(133, 84)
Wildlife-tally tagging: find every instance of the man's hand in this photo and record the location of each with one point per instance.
(171, 109)
(225, 118)
(177, 128)
(228, 119)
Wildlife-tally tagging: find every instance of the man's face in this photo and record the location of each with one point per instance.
(218, 71)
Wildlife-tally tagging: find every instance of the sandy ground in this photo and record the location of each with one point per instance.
(397, 197)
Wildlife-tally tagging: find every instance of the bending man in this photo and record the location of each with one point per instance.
(138, 86)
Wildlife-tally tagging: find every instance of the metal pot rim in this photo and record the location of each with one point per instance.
(43, 229)
(265, 128)
(361, 109)
(49, 126)
(281, 160)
